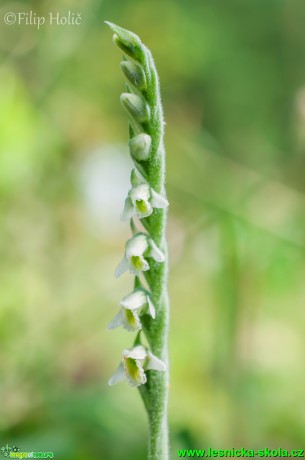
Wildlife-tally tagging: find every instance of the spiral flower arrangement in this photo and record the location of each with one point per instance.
(146, 309)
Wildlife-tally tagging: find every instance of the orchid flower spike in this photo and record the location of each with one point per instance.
(147, 201)
(132, 307)
(137, 249)
(141, 200)
(135, 361)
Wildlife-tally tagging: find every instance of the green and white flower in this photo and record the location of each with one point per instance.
(141, 200)
(137, 249)
(135, 361)
(132, 307)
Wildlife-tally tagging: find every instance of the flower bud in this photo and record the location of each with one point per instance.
(136, 107)
(140, 147)
(129, 42)
(135, 74)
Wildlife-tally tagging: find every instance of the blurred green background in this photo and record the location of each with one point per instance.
(233, 83)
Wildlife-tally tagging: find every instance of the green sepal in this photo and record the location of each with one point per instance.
(134, 180)
(135, 74)
(137, 340)
(136, 106)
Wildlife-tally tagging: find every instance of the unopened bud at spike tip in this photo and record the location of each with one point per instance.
(129, 42)
(136, 107)
(140, 147)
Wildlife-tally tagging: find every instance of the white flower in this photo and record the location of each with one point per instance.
(132, 306)
(139, 299)
(137, 249)
(141, 200)
(135, 361)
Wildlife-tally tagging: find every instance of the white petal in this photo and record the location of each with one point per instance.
(137, 245)
(117, 321)
(128, 211)
(122, 267)
(117, 376)
(138, 352)
(134, 300)
(141, 192)
(151, 308)
(157, 201)
(155, 252)
(155, 363)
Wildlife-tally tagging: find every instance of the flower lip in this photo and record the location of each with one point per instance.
(143, 208)
(138, 264)
(133, 365)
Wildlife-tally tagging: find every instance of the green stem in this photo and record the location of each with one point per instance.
(158, 382)
(157, 330)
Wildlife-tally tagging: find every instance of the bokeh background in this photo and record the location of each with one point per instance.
(233, 85)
